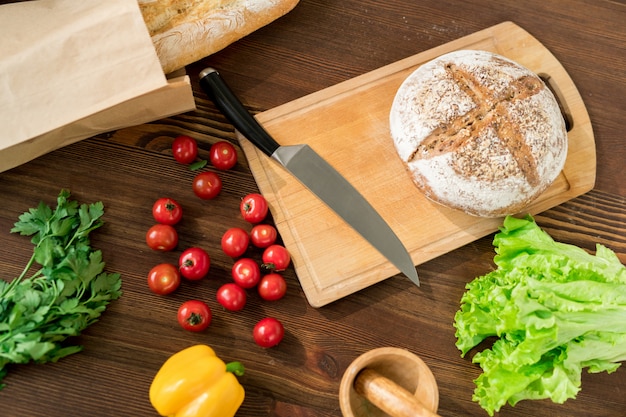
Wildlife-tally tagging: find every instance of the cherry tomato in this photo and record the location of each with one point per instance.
(162, 237)
(235, 242)
(194, 315)
(223, 155)
(207, 185)
(272, 287)
(194, 263)
(268, 332)
(263, 235)
(163, 279)
(246, 272)
(167, 211)
(232, 297)
(276, 258)
(184, 149)
(253, 208)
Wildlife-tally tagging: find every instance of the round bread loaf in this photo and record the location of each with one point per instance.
(478, 132)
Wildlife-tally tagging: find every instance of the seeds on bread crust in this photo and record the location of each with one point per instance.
(478, 132)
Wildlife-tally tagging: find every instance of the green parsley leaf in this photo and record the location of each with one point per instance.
(198, 165)
(66, 295)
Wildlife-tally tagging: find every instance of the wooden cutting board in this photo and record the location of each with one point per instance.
(348, 125)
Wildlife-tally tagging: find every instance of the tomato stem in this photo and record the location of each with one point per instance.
(194, 319)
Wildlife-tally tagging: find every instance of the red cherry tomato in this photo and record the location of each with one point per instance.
(207, 185)
(223, 155)
(246, 272)
(235, 242)
(194, 263)
(263, 235)
(253, 208)
(194, 315)
(184, 149)
(162, 237)
(163, 279)
(167, 211)
(276, 258)
(272, 287)
(268, 332)
(232, 297)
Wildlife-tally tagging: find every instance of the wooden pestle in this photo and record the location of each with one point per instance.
(389, 396)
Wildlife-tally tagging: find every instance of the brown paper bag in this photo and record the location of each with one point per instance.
(72, 69)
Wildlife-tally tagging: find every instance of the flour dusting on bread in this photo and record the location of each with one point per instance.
(184, 31)
(478, 132)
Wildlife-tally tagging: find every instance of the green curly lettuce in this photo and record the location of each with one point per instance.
(554, 310)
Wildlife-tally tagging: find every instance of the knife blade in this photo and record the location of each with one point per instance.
(314, 173)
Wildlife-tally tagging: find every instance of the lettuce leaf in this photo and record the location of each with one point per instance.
(554, 309)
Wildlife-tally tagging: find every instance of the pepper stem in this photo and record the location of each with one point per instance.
(236, 368)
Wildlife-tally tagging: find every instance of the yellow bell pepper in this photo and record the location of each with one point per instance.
(196, 383)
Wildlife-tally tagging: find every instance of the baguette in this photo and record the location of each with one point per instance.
(184, 31)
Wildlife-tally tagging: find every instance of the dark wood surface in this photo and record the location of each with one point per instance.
(318, 44)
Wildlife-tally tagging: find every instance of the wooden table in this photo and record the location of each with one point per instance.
(318, 44)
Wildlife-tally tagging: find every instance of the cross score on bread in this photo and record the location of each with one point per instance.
(489, 111)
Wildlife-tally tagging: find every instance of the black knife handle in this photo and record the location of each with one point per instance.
(225, 100)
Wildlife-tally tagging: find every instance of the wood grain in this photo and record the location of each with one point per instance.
(317, 45)
(348, 125)
(389, 396)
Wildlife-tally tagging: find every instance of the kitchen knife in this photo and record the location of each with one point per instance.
(314, 173)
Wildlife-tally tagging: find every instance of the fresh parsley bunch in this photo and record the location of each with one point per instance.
(65, 295)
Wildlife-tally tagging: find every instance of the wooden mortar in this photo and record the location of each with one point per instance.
(388, 382)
